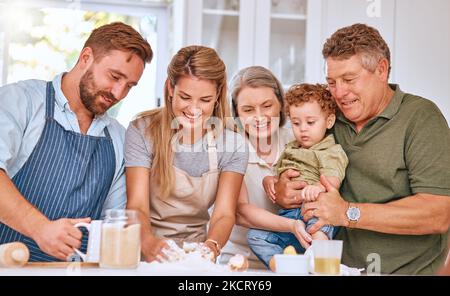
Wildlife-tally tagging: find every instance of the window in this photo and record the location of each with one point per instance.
(39, 39)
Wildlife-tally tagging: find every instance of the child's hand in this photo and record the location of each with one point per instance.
(269, 187)
(311, 192)
(298, 229)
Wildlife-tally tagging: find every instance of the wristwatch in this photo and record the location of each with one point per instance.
(353, 215)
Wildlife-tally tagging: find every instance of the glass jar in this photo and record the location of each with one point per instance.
(121, 240)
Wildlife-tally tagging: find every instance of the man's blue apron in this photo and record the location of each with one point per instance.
(68, 175)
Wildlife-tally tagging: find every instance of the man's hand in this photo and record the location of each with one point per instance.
(311, 192)
(151, 247)
(287, 192)
(269, 187)
(298, 229)
(59, 238)
(330, 208)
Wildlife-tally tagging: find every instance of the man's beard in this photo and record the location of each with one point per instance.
(91, 98)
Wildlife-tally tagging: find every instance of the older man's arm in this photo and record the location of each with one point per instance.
(415, 215)
(288, 192)
(418, 214)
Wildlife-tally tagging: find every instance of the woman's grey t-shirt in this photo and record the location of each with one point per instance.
(232, 151)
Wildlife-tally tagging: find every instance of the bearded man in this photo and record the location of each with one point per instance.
(61, 155)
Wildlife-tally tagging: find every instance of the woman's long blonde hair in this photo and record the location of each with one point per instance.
(200, 62)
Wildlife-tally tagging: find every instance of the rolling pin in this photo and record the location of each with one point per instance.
(14, 254)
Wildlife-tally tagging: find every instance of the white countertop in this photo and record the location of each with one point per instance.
(144, 269)
(190, 266)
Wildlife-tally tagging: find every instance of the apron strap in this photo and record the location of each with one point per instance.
(50, 105)
(49, 100)
(107, 132)
(212, 151)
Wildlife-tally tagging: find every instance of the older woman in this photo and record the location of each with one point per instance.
(257, 101)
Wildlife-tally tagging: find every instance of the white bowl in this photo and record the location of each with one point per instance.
(292, 264)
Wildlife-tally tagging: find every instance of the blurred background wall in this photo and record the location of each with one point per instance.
(40, 38)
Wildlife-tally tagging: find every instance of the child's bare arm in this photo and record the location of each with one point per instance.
(269, 187)
(311, 192)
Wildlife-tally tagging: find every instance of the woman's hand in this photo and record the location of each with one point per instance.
(299, 230)
(311, 192)
(269, 187)
(213, 247)
(151, 248)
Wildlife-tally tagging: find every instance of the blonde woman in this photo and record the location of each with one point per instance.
(257, 99)
(180, 160)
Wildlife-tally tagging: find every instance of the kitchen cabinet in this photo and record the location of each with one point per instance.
(276, 34)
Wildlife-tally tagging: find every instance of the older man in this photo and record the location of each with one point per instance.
(61, 155)
(395, 201)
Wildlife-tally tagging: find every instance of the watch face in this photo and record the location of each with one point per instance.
(353, 213)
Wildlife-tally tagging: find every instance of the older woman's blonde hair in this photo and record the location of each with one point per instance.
(255, 77)
(197, 61)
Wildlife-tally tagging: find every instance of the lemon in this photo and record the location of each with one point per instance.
(289, 250)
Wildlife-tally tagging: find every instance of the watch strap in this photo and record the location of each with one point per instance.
(352, 223)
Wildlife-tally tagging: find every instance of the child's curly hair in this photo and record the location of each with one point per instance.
(304, 92)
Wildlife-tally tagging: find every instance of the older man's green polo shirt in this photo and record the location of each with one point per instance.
(403, 151)
(324, 158)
